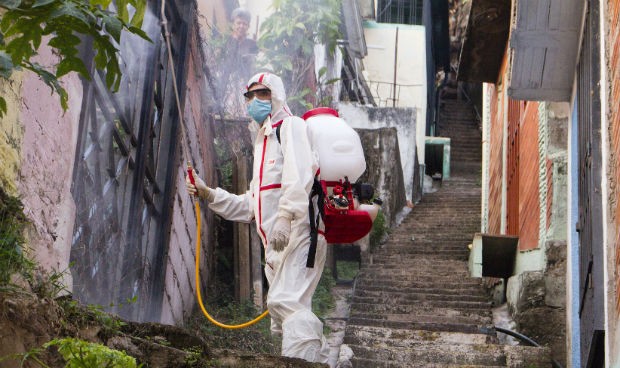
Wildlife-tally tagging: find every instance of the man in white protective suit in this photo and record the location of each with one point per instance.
(283, 174)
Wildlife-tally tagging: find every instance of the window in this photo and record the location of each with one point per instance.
(399, 11)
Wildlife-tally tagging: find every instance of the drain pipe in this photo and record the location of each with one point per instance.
(529, 341)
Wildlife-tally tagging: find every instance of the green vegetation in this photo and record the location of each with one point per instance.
(24, 25)
(287, 40)
(347, 270)
(379, 230)
(12, 224)
(78, 354)
(323, 300)
(90, 314)
(255, 338)
(82, 354)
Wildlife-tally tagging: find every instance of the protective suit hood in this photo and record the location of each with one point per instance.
(279, 108)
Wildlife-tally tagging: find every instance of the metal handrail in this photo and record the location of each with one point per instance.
(460, 87)
(528, 340)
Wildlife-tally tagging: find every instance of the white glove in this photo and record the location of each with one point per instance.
(201, 188)
(280, 234)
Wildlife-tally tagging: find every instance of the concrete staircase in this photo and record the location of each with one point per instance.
(414, 304)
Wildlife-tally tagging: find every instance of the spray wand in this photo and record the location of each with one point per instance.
(190, 174)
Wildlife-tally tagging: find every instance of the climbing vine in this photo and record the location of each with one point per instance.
(26, 24)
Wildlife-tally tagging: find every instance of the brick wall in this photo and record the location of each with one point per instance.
(613, 50)
(529, 208)
(495, 162)
(179, 293)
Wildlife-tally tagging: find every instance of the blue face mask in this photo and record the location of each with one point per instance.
(259, 110)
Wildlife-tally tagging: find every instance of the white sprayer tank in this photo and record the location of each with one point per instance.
(337, 144)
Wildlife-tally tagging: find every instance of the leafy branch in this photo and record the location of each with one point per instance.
(64, 24)
(288, 39)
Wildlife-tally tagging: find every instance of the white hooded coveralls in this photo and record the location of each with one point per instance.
(283, 174)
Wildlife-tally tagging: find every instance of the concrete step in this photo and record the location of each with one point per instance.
(408, 244)
(425, 303)
(514, 357)
(465, 286)
(477, 354)
(423, 318)
(415, 325)
(381, 270)
(382, 286)
(454, 276)
(370, 335)
(411, 295)
(373, 363)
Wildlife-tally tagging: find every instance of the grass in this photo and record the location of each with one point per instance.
(347, 270)
(256, 338)
(379, 230)
(323, 300)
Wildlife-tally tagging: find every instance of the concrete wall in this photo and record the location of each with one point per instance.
(403, 119)
(537, 301)
(383, 169)
(409, 69)
(37, 148)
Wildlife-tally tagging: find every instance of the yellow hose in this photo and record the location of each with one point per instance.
(202, 307)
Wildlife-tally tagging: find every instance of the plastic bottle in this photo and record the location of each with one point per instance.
(337, 144)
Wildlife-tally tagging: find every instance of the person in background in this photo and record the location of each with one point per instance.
(235, 61)
(240, 44)
(278, 199)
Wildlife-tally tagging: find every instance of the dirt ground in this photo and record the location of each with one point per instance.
(27, 321)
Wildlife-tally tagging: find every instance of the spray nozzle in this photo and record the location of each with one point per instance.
(190, 173)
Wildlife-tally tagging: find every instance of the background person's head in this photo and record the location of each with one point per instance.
(240, 19)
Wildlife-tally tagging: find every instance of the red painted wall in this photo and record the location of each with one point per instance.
(495, 162)
(614, 128)
(529, 206)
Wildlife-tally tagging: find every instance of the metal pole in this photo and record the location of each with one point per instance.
(395, 66)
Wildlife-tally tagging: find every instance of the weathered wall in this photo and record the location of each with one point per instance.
(537, 301)
(11, 133)
(557, 146)
(383, 169)
(383, 65)
(403, 119)
(38, 143)
(612, 23)
(179, 293)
